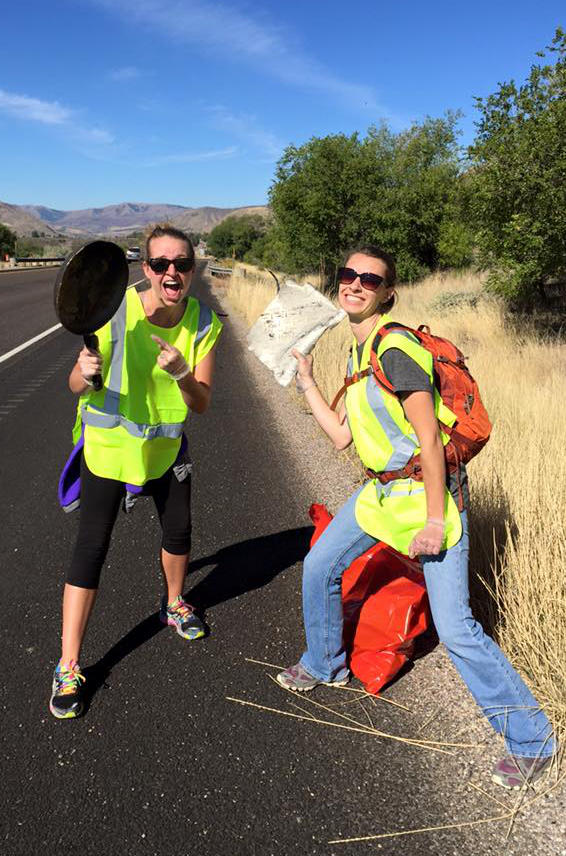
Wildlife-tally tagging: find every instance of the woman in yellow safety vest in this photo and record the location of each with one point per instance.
(416, 518)
(156, 357)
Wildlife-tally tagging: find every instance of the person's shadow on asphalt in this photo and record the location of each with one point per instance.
(238, 568)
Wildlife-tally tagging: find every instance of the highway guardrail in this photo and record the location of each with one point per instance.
(215, 270)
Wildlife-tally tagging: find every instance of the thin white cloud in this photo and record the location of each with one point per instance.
(245, 128)
(96, 136)
(33, 109)
(52, 113)
(219, 26)
(190, 157)
(125, 74)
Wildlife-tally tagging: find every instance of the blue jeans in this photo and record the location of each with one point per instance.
(497, 688)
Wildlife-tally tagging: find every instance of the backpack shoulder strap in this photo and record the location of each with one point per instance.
(378, 372)
(348, 381)
(374, 367)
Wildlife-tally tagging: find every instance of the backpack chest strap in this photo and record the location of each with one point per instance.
(348, 381)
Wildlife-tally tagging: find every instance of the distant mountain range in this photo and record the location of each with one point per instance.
(23, 224)
(114, 219)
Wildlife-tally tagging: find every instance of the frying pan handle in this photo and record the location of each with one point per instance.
(91, 341)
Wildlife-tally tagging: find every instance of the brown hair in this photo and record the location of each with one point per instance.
(162, 230)
(375, 252)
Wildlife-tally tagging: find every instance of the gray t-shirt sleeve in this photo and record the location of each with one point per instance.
(403, 373)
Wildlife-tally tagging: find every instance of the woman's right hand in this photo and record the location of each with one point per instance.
(428, 541)
(304, 377)
(90, 363)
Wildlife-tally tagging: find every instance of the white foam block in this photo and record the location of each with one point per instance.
(296, 318)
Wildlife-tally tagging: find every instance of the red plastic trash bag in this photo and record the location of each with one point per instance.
(385, 608)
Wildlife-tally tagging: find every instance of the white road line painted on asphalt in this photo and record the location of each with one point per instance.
(29, 342)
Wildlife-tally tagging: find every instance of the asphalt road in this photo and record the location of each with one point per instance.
(162, 762)
(26, 305)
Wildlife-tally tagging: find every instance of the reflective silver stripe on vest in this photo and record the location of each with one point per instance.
(117, 337)
(404, 445)
(392, 489)
(100, 419)
(204, 322)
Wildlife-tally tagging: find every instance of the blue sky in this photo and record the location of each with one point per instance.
(192, 101)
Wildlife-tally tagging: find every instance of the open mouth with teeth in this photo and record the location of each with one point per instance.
(171, 288)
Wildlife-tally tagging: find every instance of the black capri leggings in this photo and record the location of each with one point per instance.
(100, 503)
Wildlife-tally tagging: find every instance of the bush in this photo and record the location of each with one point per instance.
(450, 301)
(32, 247)
(455, 245)
(235, 236)
(7, 241)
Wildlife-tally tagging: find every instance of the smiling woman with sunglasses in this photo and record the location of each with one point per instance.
(418, 518)
(156, 358)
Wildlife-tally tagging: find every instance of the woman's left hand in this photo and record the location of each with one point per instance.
(427, 542)
(170, 359)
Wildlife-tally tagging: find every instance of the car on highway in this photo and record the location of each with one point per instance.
(133, 254)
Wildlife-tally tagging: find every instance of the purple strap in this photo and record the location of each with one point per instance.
(69, 487)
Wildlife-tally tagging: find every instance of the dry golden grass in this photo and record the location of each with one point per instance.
(518, 481)
(251, 289)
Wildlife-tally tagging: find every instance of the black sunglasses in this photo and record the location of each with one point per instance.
(161, 264)
(371, 281)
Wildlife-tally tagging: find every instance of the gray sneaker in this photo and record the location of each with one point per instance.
(181, 616)
(515, 773)
(297, 678)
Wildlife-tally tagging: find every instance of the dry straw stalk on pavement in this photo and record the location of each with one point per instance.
(507, 815)
(353, 724)
(362, 693)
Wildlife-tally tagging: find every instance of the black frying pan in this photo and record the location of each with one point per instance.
(89, 289)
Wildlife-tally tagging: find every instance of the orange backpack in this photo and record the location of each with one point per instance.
(458, 390)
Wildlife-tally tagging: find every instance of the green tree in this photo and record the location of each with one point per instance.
(234, 236)
(7, 241)
(312, 196)
(519, 169)
(408, 199)
(456, 245)
(396, 190)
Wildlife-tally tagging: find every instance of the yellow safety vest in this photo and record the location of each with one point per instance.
(133, 425)
(386, 440)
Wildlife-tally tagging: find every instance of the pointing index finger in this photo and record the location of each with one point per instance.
(165, 346)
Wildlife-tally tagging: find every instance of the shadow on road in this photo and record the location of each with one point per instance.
(237, 569)
(97, 674)
(248, 565)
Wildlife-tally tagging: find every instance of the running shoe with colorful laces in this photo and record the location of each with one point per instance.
(516, 773)
(298, 679)
(66, 693)
(181, 616)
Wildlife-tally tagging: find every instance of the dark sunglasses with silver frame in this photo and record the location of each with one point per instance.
(371, 281)
(161, 264)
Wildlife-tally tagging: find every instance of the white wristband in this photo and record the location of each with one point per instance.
(302, 389)
(435, 521)
(181, 373)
